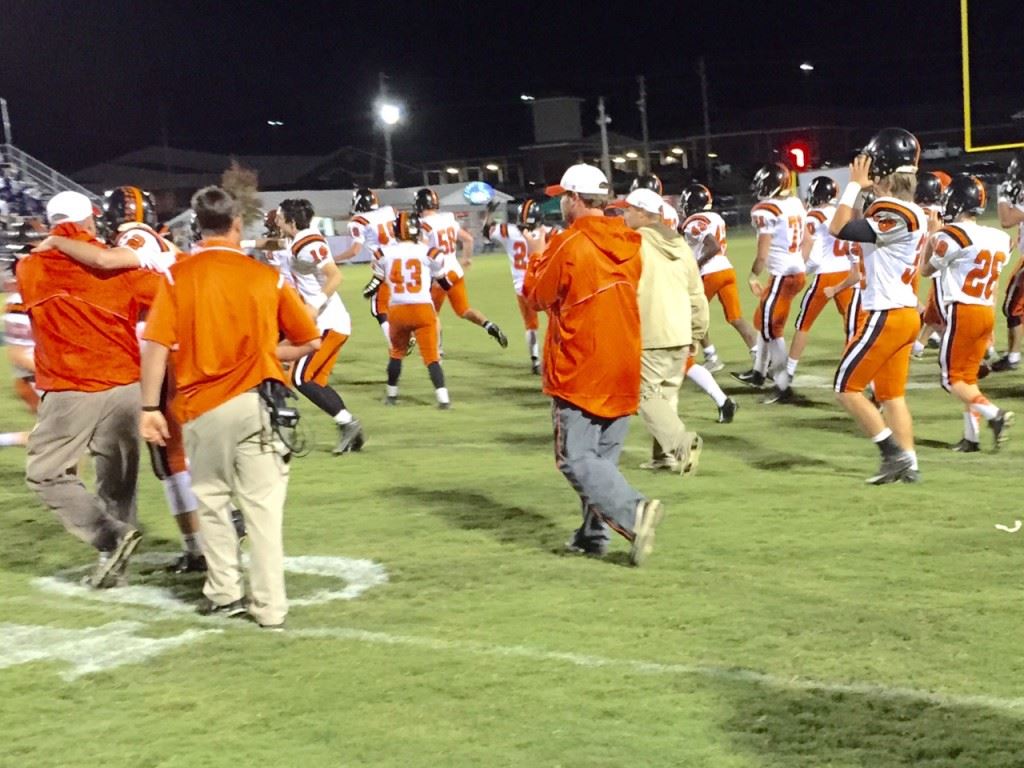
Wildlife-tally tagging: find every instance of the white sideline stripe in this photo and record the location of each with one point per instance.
(870, 690)
(812, 381)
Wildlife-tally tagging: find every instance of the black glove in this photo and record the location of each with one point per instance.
(372, 287)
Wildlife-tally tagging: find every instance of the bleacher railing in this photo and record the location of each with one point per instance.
(38, 173)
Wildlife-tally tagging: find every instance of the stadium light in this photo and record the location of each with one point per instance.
(807, 67)
(389, 113)
(713, 155)
(453, 171)
(618, 159)
(632, 155)
(526, 97)
(677, 150)
(275, 123)
(491, 166)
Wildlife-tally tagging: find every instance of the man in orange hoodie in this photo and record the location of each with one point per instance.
(87, 364)
(586, 279)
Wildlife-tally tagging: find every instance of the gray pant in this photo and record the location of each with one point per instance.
(661, 375)
(587, 449)
(233, 452)
(104, 424)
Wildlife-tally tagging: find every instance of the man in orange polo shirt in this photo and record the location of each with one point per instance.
(87, 364)
(586, 279)
(233, 449)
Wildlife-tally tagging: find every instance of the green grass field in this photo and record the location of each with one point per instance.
(790, 615)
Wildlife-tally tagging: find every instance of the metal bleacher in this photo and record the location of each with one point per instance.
(38, 174)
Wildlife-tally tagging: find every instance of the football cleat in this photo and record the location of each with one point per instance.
(911, 476)
(649, 515)
(966, 446)
(578, 546)
(999, 425)
(495, 333)
(1004, 364)
(350, 437)
(535, 368)
(713, 364)
(751, 378)
(727, 411)
(892, 469)
(444, 406)
(391, 400)
(188, 563)
(779, 395)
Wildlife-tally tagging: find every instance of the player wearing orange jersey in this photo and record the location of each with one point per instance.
(968, 258)
(407, 267)
(890, 235)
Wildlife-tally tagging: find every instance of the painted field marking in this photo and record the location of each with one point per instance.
(870, 690)
(813, 381)
(96, 649)
(1016, 527)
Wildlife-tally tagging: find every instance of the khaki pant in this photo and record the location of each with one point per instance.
(661, 375)
(104, 424)
(233, 453)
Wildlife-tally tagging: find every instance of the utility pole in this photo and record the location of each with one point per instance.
(389, 160)
(6, 120)
(602, 121)
(702, 71)
(642, 106)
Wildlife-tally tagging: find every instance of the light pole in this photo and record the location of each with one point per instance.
(390, 114)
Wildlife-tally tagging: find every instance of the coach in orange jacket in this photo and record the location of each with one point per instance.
(586, 279)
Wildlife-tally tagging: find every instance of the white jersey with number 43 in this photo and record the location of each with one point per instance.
(971, 258)
(441, 231)
(408, 269)
(783, 219)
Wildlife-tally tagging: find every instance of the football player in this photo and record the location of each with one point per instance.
(705, 232)
(778, 219)
(968, 258)
(407, 266)
(525, 216)
(317, 278)
(129, 217)
(931, 186)
(371, 226)
(1011, 214)
(442, 232)
(890, 235)
(828, 259)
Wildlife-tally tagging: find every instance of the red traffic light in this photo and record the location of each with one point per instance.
(798, 155)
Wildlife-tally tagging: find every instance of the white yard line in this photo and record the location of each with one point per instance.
(870, 690)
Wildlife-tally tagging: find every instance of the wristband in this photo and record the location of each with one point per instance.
(150, 408)
(849, 198)
(247, 244)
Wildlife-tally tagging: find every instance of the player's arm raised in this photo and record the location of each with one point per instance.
(844, 225)
(91, 255)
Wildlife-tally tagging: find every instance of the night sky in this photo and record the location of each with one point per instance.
(86, 81)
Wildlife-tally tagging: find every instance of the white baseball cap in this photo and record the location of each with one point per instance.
(582, 179)
(644, 199)
(68, 206)
(670, 214)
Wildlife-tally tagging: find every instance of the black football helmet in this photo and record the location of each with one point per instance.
(893, 150)
(867, 199)
(194, 232)
(695, 198)
(425, 199)
(647, 181)
(966, 194)
(771, 180)
(408, 227)
(929, 189)
(529, 216)
(128, 204)
(364, 200)
(1015, 170)
(821, 191)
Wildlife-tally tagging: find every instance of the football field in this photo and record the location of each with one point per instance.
(789, 616)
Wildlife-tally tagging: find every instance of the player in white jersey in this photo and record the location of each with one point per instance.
(968, 258)
(407, 266)
(931, 186)
(1011, 216)
(828, 260)
(129, 217)
(317, 278)
(705, 232)
(443, 232)
(523, 217)
(371, 226)
(891, 235)
(778, 219)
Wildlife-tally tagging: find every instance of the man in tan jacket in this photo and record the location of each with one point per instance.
(673, 316)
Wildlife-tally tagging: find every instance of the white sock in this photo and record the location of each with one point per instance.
(1013, 357)
(918, 348)
(783, 379)
(531, 344)
(791, 365)
(702, 377)
(7, 439)
(343, 416)
(392, 390)
(442, 395)
(986, 410)
(882, 435)
(913, 459)
(991, 352)
(193, 543)
(178, 492)
(761, 356)
(386, 328)
(935, 337)
(776, 353)
(710, 353)
(971, 426)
